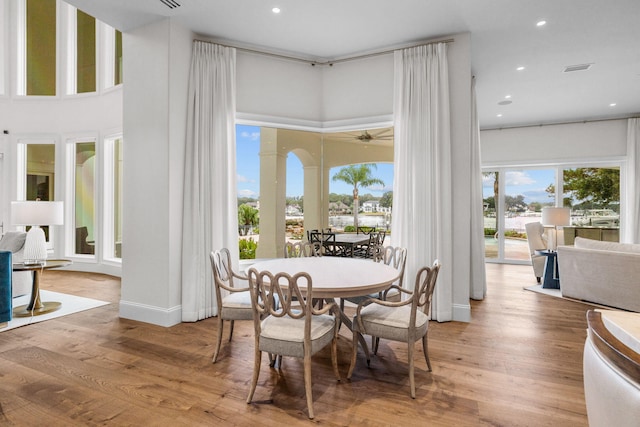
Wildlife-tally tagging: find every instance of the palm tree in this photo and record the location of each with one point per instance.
(247, 217)
(357, 175)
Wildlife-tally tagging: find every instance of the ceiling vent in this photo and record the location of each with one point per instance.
(171, 4)
(579, 67)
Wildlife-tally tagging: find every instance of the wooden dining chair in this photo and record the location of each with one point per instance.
(396, 257)
(288, 330)
(404, 321)
(301, 249)
(234, 302)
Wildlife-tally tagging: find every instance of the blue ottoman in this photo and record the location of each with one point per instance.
(5, 286)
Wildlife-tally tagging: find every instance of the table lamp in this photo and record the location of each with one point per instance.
(556, 217)
(35, 214)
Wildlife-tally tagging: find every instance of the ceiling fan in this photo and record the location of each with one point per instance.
(366, 136)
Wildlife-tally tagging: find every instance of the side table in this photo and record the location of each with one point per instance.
(36, 307)
(551, 278)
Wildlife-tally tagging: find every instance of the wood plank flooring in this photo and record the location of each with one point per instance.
(518, 363)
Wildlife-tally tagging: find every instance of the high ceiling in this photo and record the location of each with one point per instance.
(504, 36)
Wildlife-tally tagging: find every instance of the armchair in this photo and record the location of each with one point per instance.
(537, 240)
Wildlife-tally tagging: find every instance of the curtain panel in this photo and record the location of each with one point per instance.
(210, 219)
(478, 276)
(422, 217)
(632, 217)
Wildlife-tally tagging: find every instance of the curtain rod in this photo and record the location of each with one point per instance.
(574, 122)
(329, 63)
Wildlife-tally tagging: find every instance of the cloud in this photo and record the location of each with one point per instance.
(247, 193)
(518, 178)
(378, 187)
(253, 136)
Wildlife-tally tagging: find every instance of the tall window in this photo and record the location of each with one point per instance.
(37, 166)
(113, 199)
(84, 198)
(41, 47)
(117, 53)
(85, 53)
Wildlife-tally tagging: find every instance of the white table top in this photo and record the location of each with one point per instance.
(351, 238)
(336, 277)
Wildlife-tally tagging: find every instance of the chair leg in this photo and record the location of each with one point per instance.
(425, 348)
(256, 372)
(307, 384)
(354, 354)
(218, 339)
(411, 378)
(334, 356)
(231, 330)
(374, 344)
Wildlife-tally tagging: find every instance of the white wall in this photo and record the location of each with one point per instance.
(156, 67)
(273, 87)
(357, 89)
(559, 143)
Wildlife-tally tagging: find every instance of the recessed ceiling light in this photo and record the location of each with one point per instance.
(520, 68)
(275, 10)
(541, 23)
(498, 115)
(613, 104)
(507, 97)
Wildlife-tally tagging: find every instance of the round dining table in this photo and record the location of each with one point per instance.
(336, 277)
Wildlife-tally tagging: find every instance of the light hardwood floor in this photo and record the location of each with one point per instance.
(518, 363)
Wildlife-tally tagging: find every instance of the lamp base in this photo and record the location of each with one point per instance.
(35, 247)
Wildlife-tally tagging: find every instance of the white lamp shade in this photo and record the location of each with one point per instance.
(37, 213)
(556, 216)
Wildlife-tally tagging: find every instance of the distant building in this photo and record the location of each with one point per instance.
(371, 206)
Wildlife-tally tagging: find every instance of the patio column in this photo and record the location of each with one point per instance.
(273, 184)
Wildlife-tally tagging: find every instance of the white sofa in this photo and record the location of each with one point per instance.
(606, 273)
(21, 281)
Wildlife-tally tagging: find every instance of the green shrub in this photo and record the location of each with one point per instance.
(247, 248)
(349, 229)
(489, 231)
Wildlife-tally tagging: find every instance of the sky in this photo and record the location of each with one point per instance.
(530, 183)
(248, 169)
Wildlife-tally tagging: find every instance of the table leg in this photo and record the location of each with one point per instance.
(36, 307)
(345, 319)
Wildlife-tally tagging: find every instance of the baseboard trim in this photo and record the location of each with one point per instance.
(149, 314)
(462, 312)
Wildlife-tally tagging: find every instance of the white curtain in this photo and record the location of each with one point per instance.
(210, 219)
(478, 278)
(632, 218)
(422, 206)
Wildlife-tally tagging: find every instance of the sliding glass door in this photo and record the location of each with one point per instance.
(513, 197)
